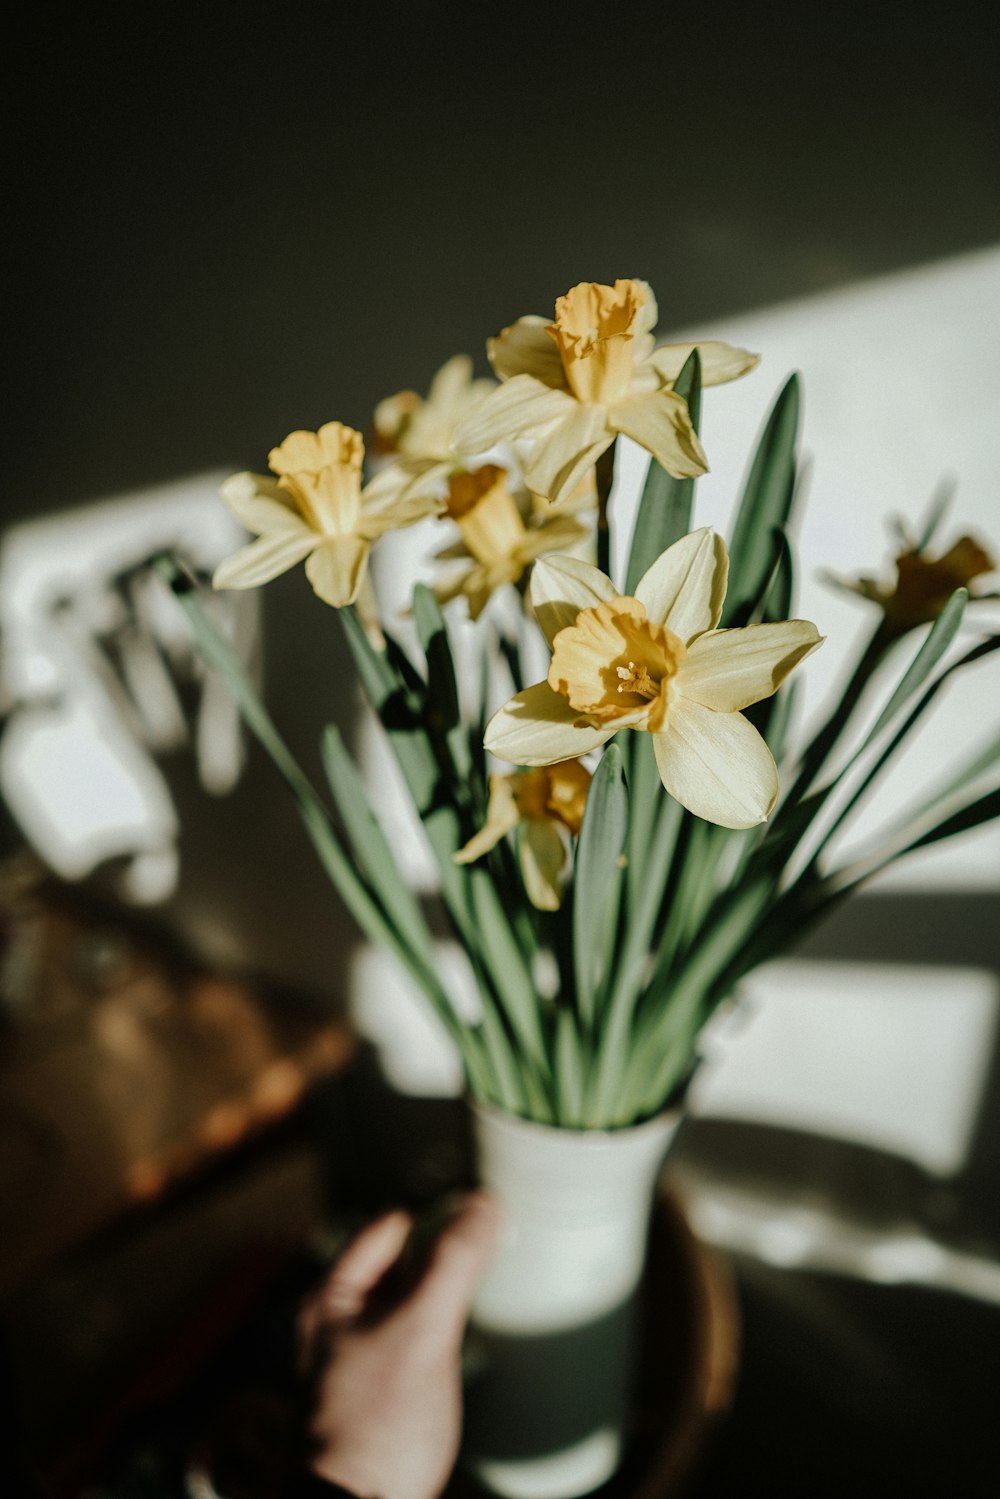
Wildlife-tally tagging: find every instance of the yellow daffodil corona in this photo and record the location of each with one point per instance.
(573, 384)
(314, 509)
(656, 662)
(498, 544)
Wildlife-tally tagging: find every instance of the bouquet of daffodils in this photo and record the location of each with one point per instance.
(619, 843)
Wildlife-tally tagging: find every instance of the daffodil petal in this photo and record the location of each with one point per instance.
(337, 568)
(542, 856)
(502, 817)
(563, 453)
(729, 669)
(716, 765)
(660, 422)
(538, 727)
(406, 476)
(259, 504)
(686, 586)
(516, 408)
(561, 586)
(720, 362)
(525, 348)
(265, 558)
(449, 383)
(393, 515)
(647, 312)
(566, 532)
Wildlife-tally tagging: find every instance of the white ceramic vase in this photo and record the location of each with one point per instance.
(552, 1331)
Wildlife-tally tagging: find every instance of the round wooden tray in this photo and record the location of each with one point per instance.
(690, 1347)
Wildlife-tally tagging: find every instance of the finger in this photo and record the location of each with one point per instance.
(362, 1265)
(459, 1258)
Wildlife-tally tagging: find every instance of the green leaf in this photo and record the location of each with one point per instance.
(569, 1069)
(362, 903)
(664, 513)
(775, 602)
(442, 711)
(664, 1046)
(597, 879)
(642, 915)
(936, 512)
(371, 848)
(971, 771)
(973, 815)
(797, 813)
(507, 967)
(963, 819)
(936, 642)
(765, 506)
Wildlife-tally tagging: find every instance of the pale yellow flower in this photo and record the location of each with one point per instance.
(498, 544)
(924, 584)
(549, 804)
(572, 385)
(314, 509)
(416, 426)
(656, 662)
(417, 432)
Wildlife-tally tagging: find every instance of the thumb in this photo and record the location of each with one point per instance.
(460, 1256)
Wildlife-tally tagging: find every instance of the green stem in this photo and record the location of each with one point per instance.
(821, 745)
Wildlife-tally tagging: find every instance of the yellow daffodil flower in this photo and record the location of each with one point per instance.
(549, 804)
(417, 432)
(498, 544)
(924, 584)
(575, 383)
(415, 426)
(314, 509)
(656, 662)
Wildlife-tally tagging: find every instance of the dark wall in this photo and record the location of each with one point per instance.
(229, 220)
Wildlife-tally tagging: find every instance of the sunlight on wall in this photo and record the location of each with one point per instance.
(886, 1055)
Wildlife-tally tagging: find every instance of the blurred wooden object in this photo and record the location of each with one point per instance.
(124, 1069)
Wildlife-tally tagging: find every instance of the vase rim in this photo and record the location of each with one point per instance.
(661, 1123)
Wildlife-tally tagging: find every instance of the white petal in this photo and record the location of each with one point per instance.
(337, 569)
(561, 586)
(542, 856)
(730, 669)
(526, 349)
(716, 765)
(660, 422)
(264, 559)
(537, 727)
(686, 586)
(515, 409)
(564, 451)
(720, 362)
(450, 382)
(258, 503)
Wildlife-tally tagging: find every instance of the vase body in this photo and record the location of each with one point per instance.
(553, 1323)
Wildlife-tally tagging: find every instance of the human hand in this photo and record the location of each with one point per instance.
(388, 1408)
